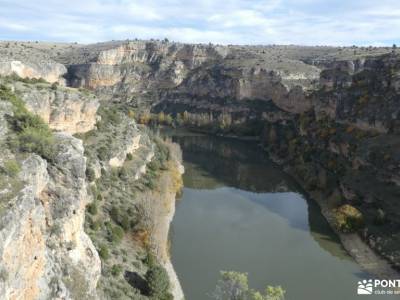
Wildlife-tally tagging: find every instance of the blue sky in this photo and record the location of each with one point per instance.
(305, 22)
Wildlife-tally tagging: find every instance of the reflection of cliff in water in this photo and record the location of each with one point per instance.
(322, 233)
(213, 162)
(231, 163)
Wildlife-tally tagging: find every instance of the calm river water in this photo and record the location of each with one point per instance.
(240, 212)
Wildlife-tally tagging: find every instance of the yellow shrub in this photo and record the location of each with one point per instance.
(348, 218)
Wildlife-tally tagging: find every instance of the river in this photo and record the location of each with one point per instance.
(240, 212)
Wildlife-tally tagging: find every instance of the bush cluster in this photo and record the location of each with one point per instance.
(348, 218)
(158, 282)
(31, 133)
(103, 252)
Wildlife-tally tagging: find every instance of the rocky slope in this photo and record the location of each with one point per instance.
(46, 187)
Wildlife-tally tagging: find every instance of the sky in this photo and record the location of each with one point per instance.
(302, 22)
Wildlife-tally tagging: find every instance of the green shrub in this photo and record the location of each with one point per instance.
(11, 168)
(150, 180)
(129, 156)
(150, 260)
(234, 285)
(114, 214)
(37, 141)
(125, 223)
(123, 174)
(95, 225)
(109, 116)
(92, 208)
(117, 233)
(116, 270)
(158, 281)
(103, 252)
(31, 133)
(102, 153)
(90, 174)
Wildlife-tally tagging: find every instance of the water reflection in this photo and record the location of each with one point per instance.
(213, 162)
(230, 162)
(240, 211)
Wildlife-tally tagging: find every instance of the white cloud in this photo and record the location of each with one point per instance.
(239, 18)
(11, 25)
(307, 22)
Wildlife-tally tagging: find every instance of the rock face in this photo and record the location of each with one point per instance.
(184, 76)
(132, 144)
(32, 60)
(49, 71)
(365, 96)
(64, 109)
(182, 71)
(44, 250)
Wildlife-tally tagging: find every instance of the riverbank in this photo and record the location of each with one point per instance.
(355, 246)
(162, 212)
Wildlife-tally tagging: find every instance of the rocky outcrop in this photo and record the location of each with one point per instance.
(365, 96)
(132, 144)
(134, 67)
(163, 71)
(49, 71)
(64, 109)
(44, 251)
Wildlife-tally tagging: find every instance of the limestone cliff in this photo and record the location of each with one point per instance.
(32, 60)
(44, 252)
(64, 109)
(49, 71)
(153, 71)
(183, 76)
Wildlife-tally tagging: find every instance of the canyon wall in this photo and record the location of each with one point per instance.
(44, 251)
